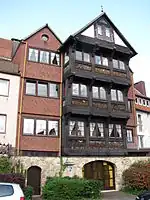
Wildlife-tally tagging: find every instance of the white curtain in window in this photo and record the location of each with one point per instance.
(99, 30)
(98, 60)
(30, 88)
(107, 32)
(115, 63)
(86, 57)
(4, 87)
(120, 96)
(95, 92)
(42, 89)
(71, 126)
(111, 126)
(79, 55)
(122, 65)
(28, 126)
(75, 89)
(53, 90)
(92, 127)
(101, 129)
(105, 61)
(40, 127)
(53, 128)
(44, 57)
(83, 90)
(33, 55)
(80, 128)
(66, 58)
(102, 93)
(118, 129)
(113, 95)
(55, 58)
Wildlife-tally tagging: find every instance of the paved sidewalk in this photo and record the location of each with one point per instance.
(117, 196)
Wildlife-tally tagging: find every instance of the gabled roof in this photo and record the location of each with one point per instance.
(111, 23)
(45, 26)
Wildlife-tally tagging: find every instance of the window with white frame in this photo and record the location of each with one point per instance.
(98, 60)
(129, 106)
(96, 129)
(55, 58)
(79, 90)
(79, 55)
(53, 128)
(104, 61)
(53, 90)
(40, 127)
(117, 95)
(28, 126)
(82, 56)
(33, 55)
(76, 128)
(86, 57)
(4, 87)
(66, 57)
(118, 64)
(42, 89)
(2, 123)
(44, 57)
(115, 130)
(129, 135)
(31, 87)
(99, 92)
(107, 31)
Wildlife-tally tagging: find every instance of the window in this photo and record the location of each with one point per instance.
(75, 89)
(113, 95)
(99, 92)
(95, 92)
(66, 57)
(136, 100)
(30, 87)
(147, 102)
(107, 32)
(104, 61)
(53, 90)
(33, 55)
(140, 122)
(120, 95)
(98, 60)
(55, 59)
(99, 30)
(53, 128)
(76, 128)
(86, 57)
(79, 90)
(129, 136)
(96, 130)
(2, 123)
(115, 130)
(4, 87)
(79, 55)
(6, 190)
(144, 103)
(40, 127)
(116, 95)
(42, 89)
(44, 57)
(141, 141)
(118, 64)
(28, 126)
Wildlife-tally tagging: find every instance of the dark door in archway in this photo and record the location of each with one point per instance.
(34, 179)
(101, 170)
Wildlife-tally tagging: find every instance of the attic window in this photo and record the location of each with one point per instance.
(45, 37)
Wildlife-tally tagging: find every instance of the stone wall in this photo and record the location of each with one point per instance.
(50, 166)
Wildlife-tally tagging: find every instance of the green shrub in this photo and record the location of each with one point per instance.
(28, 192)
(137, 176)
(5, 165)
(71, 189)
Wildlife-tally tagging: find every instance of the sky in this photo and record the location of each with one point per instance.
(19, 19)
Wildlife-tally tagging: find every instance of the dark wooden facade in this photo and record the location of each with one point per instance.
(97, 116)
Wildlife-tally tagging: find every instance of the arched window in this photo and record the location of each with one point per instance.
(120, 96)
(102, 93)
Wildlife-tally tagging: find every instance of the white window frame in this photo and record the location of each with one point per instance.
(54, 125)
(4, 91)
(31, 82)
(39, 128)
(129, 136)
(47, 56)
(36, 54)
(30, 121)
(81, 128)
(3, 122)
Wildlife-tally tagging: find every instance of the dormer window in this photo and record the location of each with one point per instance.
(99, 30)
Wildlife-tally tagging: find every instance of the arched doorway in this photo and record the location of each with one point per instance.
(34, 179)
(101, 170)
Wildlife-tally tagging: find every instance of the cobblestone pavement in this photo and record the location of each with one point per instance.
(117, 196)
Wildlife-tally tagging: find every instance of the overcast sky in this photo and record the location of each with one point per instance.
(132, 17)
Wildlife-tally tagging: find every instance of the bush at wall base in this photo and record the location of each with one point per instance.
(58, 188)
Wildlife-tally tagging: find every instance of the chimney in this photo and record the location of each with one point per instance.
(140, 86)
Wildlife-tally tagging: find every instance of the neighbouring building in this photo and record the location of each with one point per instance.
(9, 95)
(96, 82)
(143, 117)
